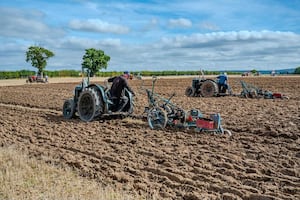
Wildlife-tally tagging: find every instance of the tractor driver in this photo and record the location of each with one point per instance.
(222, 82)
(117, 91)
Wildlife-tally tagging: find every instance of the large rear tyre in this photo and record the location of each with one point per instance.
(69, 109)
(157, 118)
(189, 91)
(87, 104)
(129, 108)
(209, 88)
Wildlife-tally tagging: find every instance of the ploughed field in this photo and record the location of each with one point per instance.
(260, 161)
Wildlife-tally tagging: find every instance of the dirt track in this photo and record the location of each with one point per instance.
(260, 161)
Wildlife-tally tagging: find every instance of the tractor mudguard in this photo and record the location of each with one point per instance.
(211, 80)
(130, 104)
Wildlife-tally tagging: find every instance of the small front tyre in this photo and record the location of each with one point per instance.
(190, 91)
(69, 109)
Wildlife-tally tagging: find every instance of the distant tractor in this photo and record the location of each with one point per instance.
(92, 100)
(36, 79)
(202, 87)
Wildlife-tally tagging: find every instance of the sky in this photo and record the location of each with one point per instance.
(153, 35)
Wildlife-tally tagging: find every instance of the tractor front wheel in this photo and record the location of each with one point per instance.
(189, 91)
(69, 109)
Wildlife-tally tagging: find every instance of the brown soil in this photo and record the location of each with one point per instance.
(260, 161)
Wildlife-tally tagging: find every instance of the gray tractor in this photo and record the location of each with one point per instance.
(92, 100)
(202, 87)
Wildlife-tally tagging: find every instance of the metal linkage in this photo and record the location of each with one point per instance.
(251, 91)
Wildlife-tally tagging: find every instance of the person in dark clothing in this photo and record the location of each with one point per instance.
(117, 91)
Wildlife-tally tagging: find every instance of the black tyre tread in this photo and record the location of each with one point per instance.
(69, 109)
(190, 91)
(100, 104)
(89, 95)
(209, 88)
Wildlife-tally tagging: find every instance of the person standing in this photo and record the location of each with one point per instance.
(222, 82)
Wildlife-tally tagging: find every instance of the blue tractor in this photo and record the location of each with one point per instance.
(92, 100)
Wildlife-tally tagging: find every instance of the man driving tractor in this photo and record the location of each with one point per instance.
(117, 91)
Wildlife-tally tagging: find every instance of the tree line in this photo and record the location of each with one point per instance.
(78, 73)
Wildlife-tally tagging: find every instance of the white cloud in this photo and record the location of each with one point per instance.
(209, 26)
(212, 51)
(181, 22)
(151, 25)
(96, 25)
(234, 50)
(85, 43)
(218, 39)
(26, 24)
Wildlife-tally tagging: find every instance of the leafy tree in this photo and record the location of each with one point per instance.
(253, 71)
(94, 60)
(38, 57)
(297, 70)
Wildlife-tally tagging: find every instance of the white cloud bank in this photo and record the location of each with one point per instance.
(96, 25)
(181, 22)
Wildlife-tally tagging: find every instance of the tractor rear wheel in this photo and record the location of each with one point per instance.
(209, 88)
(157, 118)
(88, 103)
(189, 91)
(69, 109)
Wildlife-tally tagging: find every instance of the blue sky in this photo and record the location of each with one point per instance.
(154, 34)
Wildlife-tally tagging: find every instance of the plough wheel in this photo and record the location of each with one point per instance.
(157, 118)
(252, 94)
(87, 103)
(209, 88)
(69, 109)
